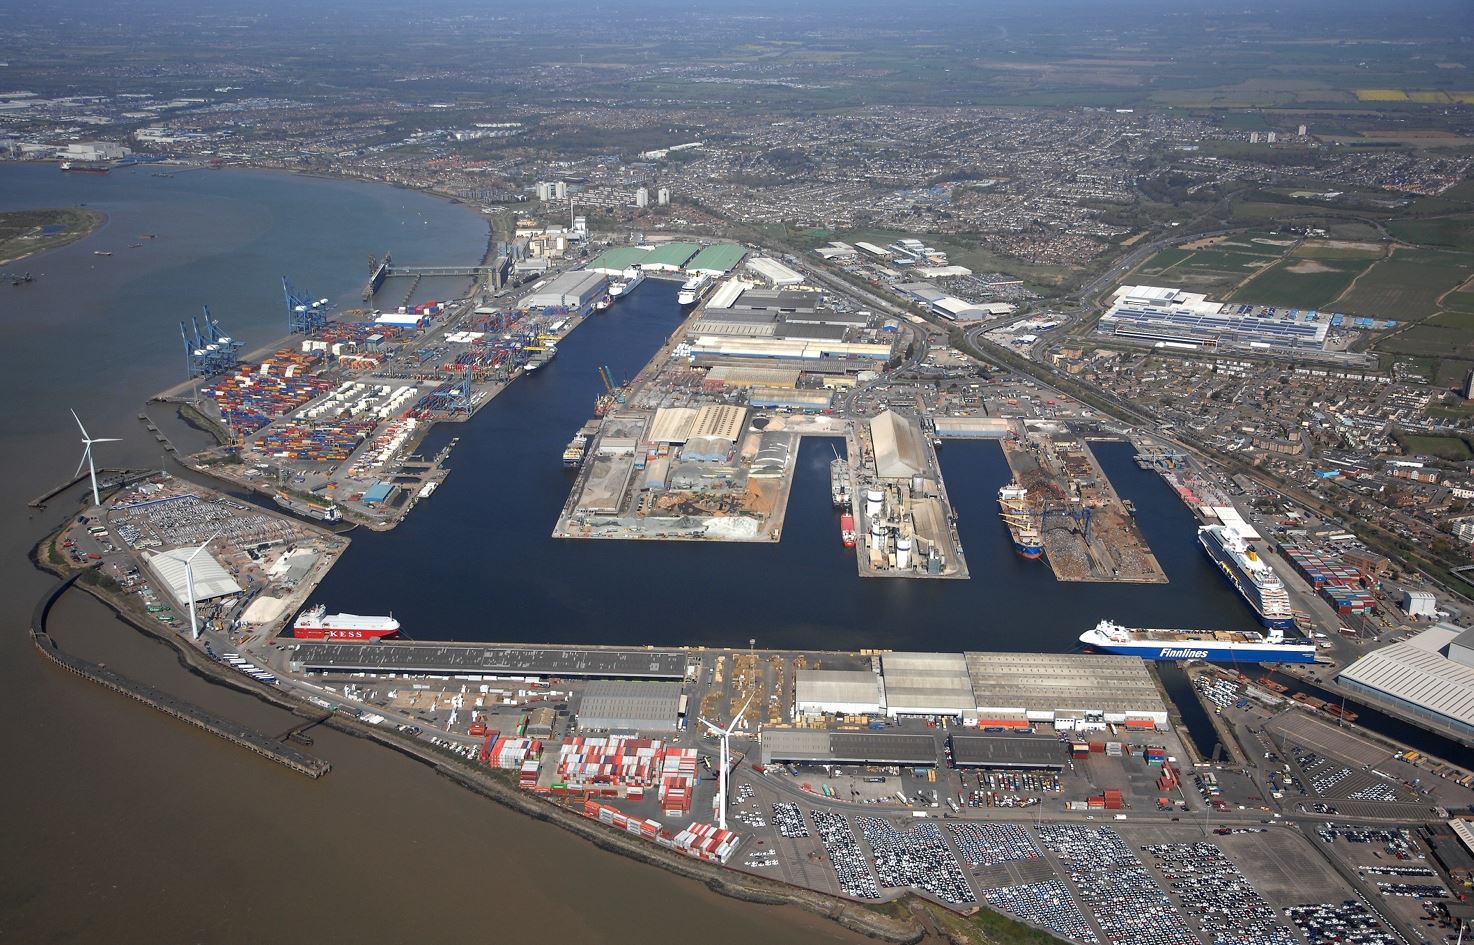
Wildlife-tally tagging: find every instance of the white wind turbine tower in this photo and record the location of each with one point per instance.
(87, 442)
(725, 734)
(194, 619)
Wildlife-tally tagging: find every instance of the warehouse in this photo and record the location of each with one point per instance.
(774, 397)
(670, 257)
(776, 302)
(1063, 688)
(928, 684)
(1151, 313)
(753, 376)
(720, 420)
(622, 705)
(717, 260)
(574, 291)
(1006, 751)
(972, 428)
(720, 324)
(899, 452)
(1430, 677)
(837, 692)
(773, 272)
(726, 294)
(211, 580)
(818, 747)
(672, 425)
(613, 262)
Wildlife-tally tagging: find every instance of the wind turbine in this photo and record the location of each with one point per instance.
(87, 442)
(725, 734)
(194, 619)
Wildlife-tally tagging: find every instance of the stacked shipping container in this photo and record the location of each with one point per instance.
(1338, 582)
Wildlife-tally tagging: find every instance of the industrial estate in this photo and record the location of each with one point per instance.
(1269, 307)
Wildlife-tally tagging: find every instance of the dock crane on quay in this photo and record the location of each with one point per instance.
(304, 315)
(211, 351)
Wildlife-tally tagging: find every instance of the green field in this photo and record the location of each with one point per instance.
(1460, 301)
(1341, 251)
(24, 232)
(1452, 232)
(1442, 447)
(1407, 286)
(1299, 283)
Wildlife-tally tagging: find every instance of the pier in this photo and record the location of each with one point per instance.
(169, 705)
(379, 273)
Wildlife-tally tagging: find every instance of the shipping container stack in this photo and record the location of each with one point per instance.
(706, 842)
(608, 763)
(527, 776)
(510, 753)
(252, 397)
(1338, 582)
(1110, 799)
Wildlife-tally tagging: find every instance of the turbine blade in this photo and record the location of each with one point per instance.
(83, 463)
(79, 424)
(107, 439)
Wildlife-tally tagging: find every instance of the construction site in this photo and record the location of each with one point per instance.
(1088, 533)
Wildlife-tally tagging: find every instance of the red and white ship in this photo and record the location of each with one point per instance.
(318, 624)
(847, 529)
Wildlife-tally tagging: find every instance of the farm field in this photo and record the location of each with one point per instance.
(1299, 283)
(1407, 286)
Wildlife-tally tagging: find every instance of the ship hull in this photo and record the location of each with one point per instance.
(1030, 551)
(1230, 653)
(1272, 622)
(340, 633)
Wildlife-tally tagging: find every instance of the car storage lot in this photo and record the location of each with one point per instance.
(1044, 873)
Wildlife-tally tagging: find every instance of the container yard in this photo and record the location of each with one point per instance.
(328, 421)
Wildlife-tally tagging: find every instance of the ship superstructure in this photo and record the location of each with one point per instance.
(1249, 574)
(1021, 514)
(1222, 645)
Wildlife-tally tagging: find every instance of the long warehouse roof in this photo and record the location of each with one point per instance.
(210, 578)
(491, 659)
(783, 744)
(1043, 682)
(1418, 671)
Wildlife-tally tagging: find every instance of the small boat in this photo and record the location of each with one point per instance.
(101, 252)
(847, 530)
(603, 304)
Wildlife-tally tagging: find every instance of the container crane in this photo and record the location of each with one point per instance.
(304, 315)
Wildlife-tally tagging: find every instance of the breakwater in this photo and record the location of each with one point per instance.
(184, 711)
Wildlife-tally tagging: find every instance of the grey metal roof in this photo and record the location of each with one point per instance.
(483, 659)
(847, 747)
(927, 682)
(1007, 751)
(1048, 682)
(629, 704)
(832, 687)
(1418, 672)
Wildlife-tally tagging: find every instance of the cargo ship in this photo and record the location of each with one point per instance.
(318, 624)
(1018, 513)
(630, 278)
(693, 289)
(323, 513)
(67, 167)
(541, 358)
(1232, 646)
(1255, 581)
(573, 452)
(839, 483)
(847, 530)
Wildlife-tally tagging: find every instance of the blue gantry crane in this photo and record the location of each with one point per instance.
(210, 351)
(304, 315)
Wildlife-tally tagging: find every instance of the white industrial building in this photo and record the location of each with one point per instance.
(211, 580)
(1430, 677)
(837, 692)
(1068, 690)
(899, 451)
(93, 151)
(574, 291)
(1419, 604)
(928, 684)
(1154, 313)
(774, 272)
